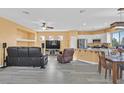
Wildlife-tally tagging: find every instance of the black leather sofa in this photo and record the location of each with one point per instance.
(26, 56)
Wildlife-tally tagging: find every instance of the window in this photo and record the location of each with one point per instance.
(115, 39)
(50, 38)
(118, 38)
(42, 38)
(60, 37)
(122, 38)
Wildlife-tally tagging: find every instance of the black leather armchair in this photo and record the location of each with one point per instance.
(26, 56)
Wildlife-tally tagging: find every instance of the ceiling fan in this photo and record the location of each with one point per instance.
(45, 27)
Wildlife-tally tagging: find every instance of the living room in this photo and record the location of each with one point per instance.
(49, 39)
(61, 45)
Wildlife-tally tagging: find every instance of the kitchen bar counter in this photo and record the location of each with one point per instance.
(86, 55)
(89, 55)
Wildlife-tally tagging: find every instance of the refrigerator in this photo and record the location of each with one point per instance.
(81, 43)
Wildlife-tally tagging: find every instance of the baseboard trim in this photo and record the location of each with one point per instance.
(90, 62)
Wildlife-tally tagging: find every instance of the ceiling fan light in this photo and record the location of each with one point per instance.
(43, 28)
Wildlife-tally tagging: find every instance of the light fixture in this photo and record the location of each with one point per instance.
(84, 24)
(82, 11)
(120, 23)
(25, 12)
(59, 37)
(43, 28)
(42, 38)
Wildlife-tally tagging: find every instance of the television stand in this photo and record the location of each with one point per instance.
(53, 52)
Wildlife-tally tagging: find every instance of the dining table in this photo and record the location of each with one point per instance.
(115, 60)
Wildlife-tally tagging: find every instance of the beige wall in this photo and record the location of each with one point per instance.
(9, 33)
(65, 43)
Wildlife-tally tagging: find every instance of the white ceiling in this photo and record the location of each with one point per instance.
(62, 18)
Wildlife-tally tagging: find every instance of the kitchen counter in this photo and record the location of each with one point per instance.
(86, 55)
(89, 55)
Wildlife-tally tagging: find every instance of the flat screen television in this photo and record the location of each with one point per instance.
(96, 41)
(52, 44)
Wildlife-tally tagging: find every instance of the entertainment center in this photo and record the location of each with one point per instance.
(52, 46)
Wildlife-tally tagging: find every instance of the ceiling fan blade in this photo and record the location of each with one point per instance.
(50, 27)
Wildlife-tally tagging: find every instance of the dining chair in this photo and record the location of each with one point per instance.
(99, 63)
(104, 64)
(121, 68)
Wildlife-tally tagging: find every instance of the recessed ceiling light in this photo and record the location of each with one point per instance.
(25, 12)
(82, 11)
(84, 24)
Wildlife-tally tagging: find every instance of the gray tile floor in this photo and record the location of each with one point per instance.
(55, 73)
